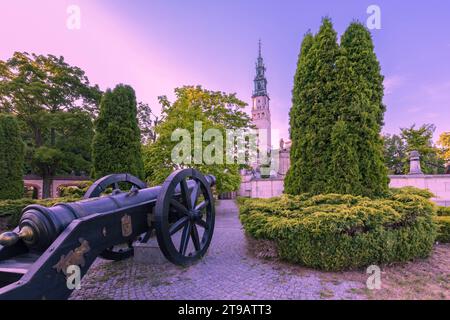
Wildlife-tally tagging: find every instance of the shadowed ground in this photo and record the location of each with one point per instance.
(232, 270)
(228, 271)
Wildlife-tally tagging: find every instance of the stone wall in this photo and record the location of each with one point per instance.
(57, 182)
(261, 188)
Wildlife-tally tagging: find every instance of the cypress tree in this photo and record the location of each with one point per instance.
(116, 145)
(298, 117)
(361, 108)
(313, 113)
(337, 115)
(11, 159)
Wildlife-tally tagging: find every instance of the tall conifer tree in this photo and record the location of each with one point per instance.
(299, 116)
(312, 114)
(117, 146)
(361, 107)
(336, 116)
(11, 159)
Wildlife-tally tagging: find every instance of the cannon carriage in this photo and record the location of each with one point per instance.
(50, 244)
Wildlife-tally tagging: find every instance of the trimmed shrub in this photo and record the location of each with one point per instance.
(443, 229)
(424, 193)
(443, 211)
(339, 232)
(12, 209)
(75, 191)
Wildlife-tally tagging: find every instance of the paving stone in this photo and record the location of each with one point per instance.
(226, 272)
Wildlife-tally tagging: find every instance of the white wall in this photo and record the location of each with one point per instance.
(437, 184)
(261, 188)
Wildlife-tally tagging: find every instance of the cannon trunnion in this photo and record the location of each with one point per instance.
(40, 259)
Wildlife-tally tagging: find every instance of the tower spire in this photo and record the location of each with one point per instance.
(260, 56)
(260, 81)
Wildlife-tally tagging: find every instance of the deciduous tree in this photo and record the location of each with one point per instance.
(38, 88)
(214, 110)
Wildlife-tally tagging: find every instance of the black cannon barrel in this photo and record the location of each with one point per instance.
(48, 223)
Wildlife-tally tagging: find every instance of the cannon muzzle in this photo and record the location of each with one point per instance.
(11, 238)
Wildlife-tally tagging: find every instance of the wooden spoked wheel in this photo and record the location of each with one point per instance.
(114, 181)
(184, 217)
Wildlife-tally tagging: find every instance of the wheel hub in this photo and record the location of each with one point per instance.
(195, 214)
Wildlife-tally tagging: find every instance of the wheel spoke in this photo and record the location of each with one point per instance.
(185, 194)
(202, 224)
(195, 237)
(202, 205)
(179, 207)
(185, 238)
(174, 228)
(116, 186)
(195, 193)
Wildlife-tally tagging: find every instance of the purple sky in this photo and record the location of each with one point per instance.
(156, 46)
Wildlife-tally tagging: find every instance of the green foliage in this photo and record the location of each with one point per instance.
(336, 116)
(398, 147)
(395, 154)
(12, 209)
(116, 145)
(215, 110)
(424, 193)
(11, 159)
(443, 227)
(444, 144)
(147, 122)
(312, 116)
(340, 232)
(54, 103)
(77, 191)
(421, 139)
(443, 211)
(361, 108)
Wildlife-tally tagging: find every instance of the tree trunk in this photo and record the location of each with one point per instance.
(46, 186)
(37, 136)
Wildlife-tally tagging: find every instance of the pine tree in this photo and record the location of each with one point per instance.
(361, 108)
(11, 159)
(313, 113)
(116, 145)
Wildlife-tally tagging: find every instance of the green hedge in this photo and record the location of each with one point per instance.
(443, 227)
(424, 193)
(443, 211)
(339, 232)
(77, 191)
(12, 209)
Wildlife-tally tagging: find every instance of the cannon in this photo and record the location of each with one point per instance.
(51, 245)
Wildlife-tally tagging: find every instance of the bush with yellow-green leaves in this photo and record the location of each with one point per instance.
(443, 224)
(340, 232)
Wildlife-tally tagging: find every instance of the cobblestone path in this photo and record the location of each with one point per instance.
(227, 272)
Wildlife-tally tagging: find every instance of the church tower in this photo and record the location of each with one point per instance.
(260, 100)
